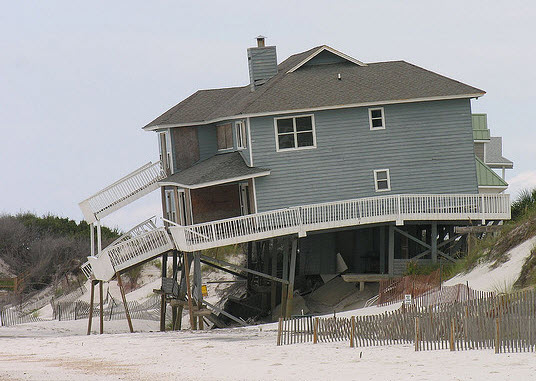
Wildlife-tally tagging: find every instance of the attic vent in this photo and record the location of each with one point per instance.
(262, 62)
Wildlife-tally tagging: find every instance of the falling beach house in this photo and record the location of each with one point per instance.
(361, 167)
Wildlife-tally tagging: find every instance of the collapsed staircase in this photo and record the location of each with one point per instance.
(143, 242)
(133, 186)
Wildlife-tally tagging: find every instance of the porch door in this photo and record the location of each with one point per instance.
(244, 198)
(176, 208)
(182, 207)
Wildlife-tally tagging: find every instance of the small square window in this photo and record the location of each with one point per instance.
(376, 118)
(382, 180)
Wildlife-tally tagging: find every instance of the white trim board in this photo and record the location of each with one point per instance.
(216, 182)
(334, 107)
(331, 50)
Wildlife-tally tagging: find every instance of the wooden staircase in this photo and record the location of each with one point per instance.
(124, 191)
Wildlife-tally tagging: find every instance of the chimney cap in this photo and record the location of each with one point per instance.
(260, 41)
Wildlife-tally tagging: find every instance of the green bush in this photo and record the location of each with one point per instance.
(524, 203)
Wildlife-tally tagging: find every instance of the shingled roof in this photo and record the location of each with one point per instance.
(316, 86)
(218, 169)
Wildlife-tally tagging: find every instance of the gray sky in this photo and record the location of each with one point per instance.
(78, 80)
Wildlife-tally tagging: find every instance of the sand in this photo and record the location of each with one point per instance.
(53, 350)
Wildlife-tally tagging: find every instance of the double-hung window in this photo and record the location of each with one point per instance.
(297, 132)
(225, 136)
(382, 180)
(376, 118)
(241, 135)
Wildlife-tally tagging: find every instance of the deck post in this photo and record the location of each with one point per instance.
(101, 305)
(186, 266)
(163, 297)
(91, 298)
(382, 249)
(125, 304)
(174, 274)
(391, 248)
(292, 274)
(249, 262)
(273, 288)
(92, 237)
(284, 287)
(198, 283)
(433, 241)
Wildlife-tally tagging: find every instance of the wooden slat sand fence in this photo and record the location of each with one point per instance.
(448, 295)
(505, 323)
(310, 329)
(13, 316)
(148, 310)
(393, 290)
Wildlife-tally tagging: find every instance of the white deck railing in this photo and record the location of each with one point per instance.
(141, 228)
(131, 252)
(300, 219)
(140, 248)
(127, 189)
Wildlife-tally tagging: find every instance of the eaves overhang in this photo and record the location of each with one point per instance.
(312, 109)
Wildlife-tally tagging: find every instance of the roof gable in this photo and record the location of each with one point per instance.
(325, 55)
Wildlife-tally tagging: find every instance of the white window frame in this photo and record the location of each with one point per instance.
(169, 152)
(372, 128)
(295, 148)
(241, 135)
(376, 171)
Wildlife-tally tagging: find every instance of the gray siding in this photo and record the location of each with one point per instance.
(427, 146)
(479, 151)
(325, 58)
(262, 63)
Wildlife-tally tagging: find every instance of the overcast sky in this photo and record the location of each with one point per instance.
(78, 80)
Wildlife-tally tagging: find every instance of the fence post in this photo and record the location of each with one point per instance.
(417, 335)
(451, 341)
(279, 329)
(352, 330)
(497, 335)
(315, 331)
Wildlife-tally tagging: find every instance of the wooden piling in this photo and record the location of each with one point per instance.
(92, 296)
(186, 267)
(125, 304)
(101, 304)
(292, 274)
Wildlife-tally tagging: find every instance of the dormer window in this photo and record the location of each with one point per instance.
(295, 133)
(225, 136)
(376, 118)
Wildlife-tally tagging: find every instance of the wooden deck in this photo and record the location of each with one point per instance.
(363, 278)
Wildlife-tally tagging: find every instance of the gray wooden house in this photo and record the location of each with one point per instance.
(369, 165)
